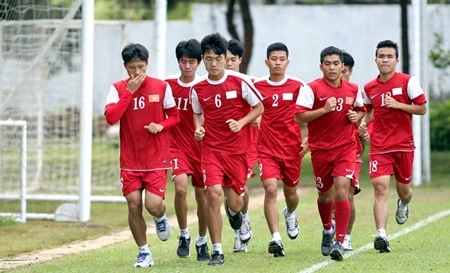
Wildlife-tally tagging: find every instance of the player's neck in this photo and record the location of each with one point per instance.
(386, 77)
(187, 79)
(277, 78)
(334, 83)
(216, 77)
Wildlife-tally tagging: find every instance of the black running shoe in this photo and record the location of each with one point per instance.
(381, 244)
(236, 220)
(202, 252)
(216, 259)
(276, 248)
(337, 252)
(183, 250)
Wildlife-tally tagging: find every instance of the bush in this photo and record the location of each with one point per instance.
(440, 126)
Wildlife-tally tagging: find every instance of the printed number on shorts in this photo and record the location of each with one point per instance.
(175, 163)
(373, 166)
(260, 167)
(319, 183)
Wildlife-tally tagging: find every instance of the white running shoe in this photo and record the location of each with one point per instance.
(238, 245)
(163, 228)
(292, 228)
(245, 232)
(347, 244)
(144, 259)
(401, 215)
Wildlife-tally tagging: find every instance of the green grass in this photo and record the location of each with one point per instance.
(18, 238)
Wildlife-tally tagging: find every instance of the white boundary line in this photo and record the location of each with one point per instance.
(404, 231)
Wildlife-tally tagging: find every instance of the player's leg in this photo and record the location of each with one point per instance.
(181, 208)
(290, 171)
(403, 175)
(202, 211)
(351, 198)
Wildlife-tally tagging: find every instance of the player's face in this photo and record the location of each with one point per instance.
(386, 60)
(346, 73)
(188, 66)
(214, 64)
(233, 61)
(277, 63)
(136, 67)
(332, 67)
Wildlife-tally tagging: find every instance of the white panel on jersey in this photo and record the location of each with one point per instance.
(288, 96)
(396, 91)
(231, 94)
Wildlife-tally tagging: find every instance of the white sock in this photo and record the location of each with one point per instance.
(245, 217)
(232, 213)
(328, 231)
(289, 214)
(347, 237)
(160, 219)
(144, 249)
(381, 232)
(401, 205)
(184, 233)
(218, 247)
(276, 236)
(201, 240)
(236, 233)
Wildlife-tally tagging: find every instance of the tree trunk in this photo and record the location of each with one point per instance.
(405, 39)
(248, 30)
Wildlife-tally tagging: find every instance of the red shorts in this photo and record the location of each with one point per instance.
(228, 170)
(288, 170)
(331, 163)
(399, 164)
(183, 164)
(151, 181)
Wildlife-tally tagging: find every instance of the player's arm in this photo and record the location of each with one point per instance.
(116, 104)
(305, 102)
(171, 111)
(414, 109)
(198, 117)
(253, 98)
(359, 110)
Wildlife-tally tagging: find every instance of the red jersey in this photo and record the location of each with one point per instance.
(219, 101)
(333, 129)
(141, 150)
(392, 128)
(182, 135)
(279, 134)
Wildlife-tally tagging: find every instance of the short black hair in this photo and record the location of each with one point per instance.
(236, 48)
(387, 43)
(214, 42)
(134, 51)
(348, 59)
(331, 50)
(190, 49)
(277, 47)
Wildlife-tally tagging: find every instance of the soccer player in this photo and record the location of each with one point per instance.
(146, 110)
(185, 151)
(347, 71)
(391, 99)
(331, 108)
(279, 143)
(234, 58)
(220, 103)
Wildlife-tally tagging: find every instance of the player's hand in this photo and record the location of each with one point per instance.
(352, 116)
(363, 132)
(199, 133)
(154, 128)
(390, 102)
(234, 125)
(330, 104)
(135, 82)
(305, 147)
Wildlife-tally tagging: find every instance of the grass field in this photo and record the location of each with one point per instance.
(425, 249)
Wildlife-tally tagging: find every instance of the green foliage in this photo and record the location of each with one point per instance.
(440, 126)
(7, 221)
(439, 57)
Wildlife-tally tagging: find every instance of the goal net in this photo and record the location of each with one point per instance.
(40, 75)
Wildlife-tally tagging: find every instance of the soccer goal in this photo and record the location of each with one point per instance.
(41, 111)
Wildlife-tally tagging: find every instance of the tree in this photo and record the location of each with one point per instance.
(247, 21)
(405, 38)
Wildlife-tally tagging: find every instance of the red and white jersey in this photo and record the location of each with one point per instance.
(333, 129)
(219, 101)
(392, 128)
(279, 134)
(182, 135)
(141, 150)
